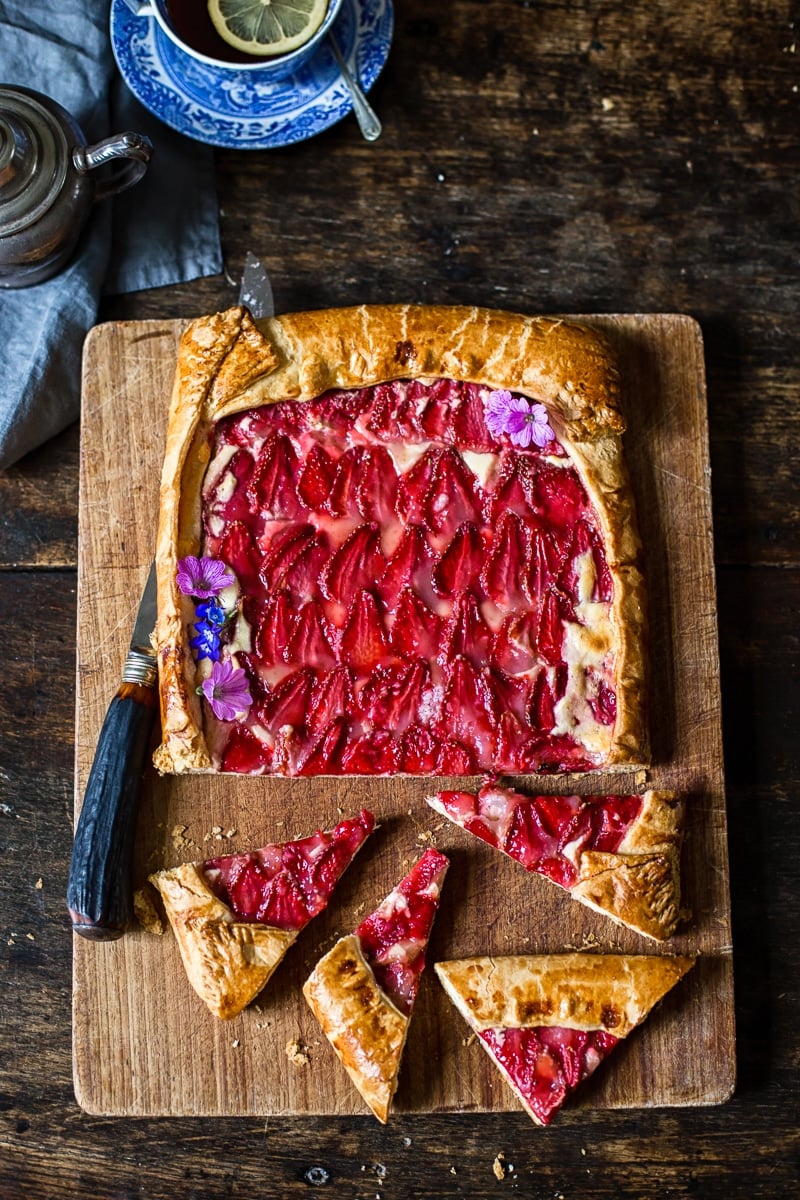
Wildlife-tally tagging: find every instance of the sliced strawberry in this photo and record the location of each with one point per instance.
(395, 414)
(506, 492)
(287, 702)
(321, 755)
(541, 711)
(410, 564)
(547, 558)
(272, 491)
(438, 399)
(507, 564)
(391, 697)
(511, 695)
(376, 484)
(274, 628)
(394, 938)
(587, 540)
(373, 753)
(511, 743)
(287, 550)
(341, 500)
(287, 884)
(454, 495)
(238, 551)
(358, 563)
(460, 565)
(468, 710)
(514, 647)
(416, 630)
(554, 492)
(363, 643)
(419, 751)
(413, 487)
(223, 502)
(604, 705)
(550, 633)
(465, 632)
(244, 753)
(454, 758)
(316, 478)
(332, 697)
(312, 638)
(259, 688)
(339, 410)
(467, 423)
(546, 1063)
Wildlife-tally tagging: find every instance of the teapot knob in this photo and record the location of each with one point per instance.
(133, 146)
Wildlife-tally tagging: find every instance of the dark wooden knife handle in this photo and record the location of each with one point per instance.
(99, 892)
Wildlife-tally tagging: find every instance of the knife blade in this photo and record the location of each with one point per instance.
(255, 289)
(99, 890)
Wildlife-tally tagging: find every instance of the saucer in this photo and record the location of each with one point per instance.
(226, 107)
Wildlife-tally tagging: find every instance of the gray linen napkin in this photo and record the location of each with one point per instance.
(164, 230)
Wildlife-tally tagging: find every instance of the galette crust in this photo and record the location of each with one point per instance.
(359, 1020)
(227, 364)
(612, 992)
(227, 962)
(640, 884)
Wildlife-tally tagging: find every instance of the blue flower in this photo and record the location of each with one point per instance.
(212, 613)
(207, 641)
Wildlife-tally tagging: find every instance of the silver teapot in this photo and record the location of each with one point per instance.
(46, 188)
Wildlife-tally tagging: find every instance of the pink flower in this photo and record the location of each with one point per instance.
(202, 577)
(227, 691)
(514, 415)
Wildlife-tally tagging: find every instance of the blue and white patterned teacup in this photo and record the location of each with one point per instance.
(267, 70)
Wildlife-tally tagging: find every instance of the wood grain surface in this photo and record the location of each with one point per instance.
(143, 1042)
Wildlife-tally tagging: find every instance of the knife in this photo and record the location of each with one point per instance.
(255, 289)
(99, 890)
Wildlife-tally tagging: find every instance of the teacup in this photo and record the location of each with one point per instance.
(188, 26)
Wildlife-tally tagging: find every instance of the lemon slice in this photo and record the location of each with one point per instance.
(267, 27)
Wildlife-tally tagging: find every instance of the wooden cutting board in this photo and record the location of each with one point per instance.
(144, 1044)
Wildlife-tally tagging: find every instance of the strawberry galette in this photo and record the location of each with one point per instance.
(548, 1021)
(235, 917)
(620, 855)
(363, 991)
(397, 540)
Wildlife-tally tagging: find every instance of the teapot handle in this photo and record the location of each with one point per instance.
(134, 146)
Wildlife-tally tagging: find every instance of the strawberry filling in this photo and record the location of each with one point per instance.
(286, 885)
(547, 834)
(545, 1064)
(394, 938)
(383, 534)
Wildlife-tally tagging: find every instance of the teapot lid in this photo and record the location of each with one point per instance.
(34, 155)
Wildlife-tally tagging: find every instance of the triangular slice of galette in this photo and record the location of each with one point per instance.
(236, 916)
(363, 991)
(620, 855)
(548, 1021)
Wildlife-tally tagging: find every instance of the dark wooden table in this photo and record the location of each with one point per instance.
(552, 156)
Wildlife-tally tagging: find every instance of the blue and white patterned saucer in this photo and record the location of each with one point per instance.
(228, 108)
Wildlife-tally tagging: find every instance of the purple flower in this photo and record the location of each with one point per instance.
(207, 641)
(514, 415)
(202, 577)
(227, 691)
(212, 613)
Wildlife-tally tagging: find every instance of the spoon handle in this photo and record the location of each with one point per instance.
(367, 118)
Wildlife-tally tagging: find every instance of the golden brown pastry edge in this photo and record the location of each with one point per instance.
(612, 992)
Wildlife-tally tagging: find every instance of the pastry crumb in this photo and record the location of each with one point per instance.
(231, 833)
(469, 1039)
(498, 1169)
(146, 913)
(39, 884)
(31, 937)
(453, 1171)
(297, 1052)
(235, 1043)
(179, 839)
